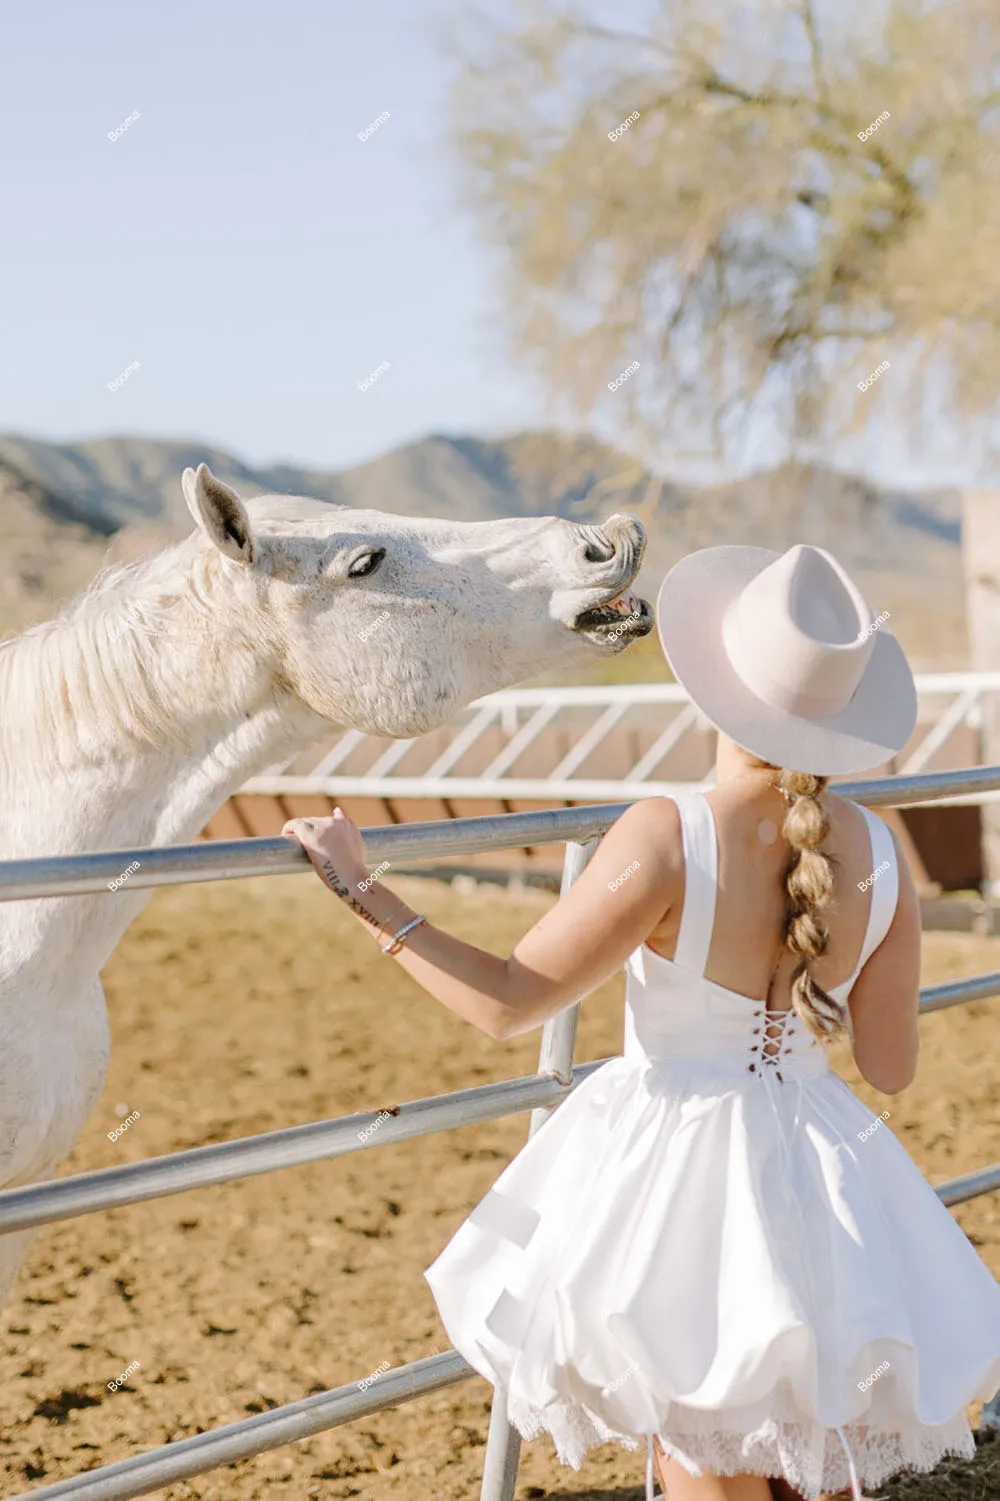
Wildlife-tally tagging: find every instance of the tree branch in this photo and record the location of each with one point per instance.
(604, 34)
(819, 82)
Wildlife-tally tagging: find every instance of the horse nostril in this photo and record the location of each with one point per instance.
(596, 554)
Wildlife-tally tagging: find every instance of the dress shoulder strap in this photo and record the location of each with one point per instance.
(885, 887)
(701, 867)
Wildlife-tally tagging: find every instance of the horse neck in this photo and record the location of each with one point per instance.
(159, 733)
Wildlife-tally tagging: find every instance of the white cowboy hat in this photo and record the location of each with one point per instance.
(781, 653)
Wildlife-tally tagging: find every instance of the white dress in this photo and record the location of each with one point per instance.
(703, 1243)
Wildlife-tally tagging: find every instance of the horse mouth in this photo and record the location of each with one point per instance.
(618, 621)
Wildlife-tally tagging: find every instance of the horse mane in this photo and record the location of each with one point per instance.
(71, 684)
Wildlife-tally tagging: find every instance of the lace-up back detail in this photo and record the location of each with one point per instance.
(673, 1011)
(774, 1032)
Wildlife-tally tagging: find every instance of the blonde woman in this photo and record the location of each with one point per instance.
(707, 1247)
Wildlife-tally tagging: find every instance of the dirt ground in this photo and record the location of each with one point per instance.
(246, 1006)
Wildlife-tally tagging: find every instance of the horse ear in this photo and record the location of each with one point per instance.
(219, 512)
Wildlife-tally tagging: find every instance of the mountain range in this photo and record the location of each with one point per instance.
(66, 508)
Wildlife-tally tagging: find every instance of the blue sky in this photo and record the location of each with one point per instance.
(239, 242)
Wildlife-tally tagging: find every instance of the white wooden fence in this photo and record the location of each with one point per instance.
(507, 745)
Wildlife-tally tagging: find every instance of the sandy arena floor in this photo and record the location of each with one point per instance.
(245, 1006)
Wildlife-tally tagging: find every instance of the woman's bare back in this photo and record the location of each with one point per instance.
(747, 953)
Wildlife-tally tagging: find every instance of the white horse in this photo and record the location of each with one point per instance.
(131, 718)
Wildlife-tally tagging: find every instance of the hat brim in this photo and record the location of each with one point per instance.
(690, 607)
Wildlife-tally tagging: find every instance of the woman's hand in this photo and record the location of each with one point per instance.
(335, 847)
(337, 851)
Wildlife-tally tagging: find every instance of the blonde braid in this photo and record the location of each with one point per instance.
(809, 883)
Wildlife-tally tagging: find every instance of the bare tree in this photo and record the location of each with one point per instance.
(749, 238)
(787, 214)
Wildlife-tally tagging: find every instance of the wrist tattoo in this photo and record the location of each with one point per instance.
(337, 884)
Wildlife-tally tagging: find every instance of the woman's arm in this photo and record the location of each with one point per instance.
(581, 942)
(885, 999)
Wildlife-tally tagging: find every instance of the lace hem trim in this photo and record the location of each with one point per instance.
(809, 1456)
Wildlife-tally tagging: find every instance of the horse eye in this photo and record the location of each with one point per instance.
(366, 564)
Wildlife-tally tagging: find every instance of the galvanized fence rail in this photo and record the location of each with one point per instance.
(270, 1151)
(232, 859)
(86, 1193)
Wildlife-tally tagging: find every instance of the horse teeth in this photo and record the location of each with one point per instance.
(622, 604)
